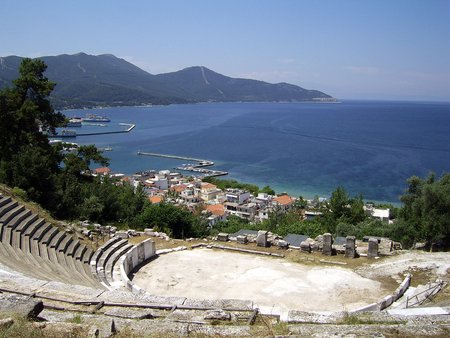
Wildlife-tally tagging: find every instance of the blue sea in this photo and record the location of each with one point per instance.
(305, 149)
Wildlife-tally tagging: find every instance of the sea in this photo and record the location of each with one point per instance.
(303, 149)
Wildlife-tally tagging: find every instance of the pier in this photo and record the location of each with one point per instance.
(197, 168)
(129, 125)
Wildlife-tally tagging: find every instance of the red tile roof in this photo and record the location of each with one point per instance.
(216, 209)
(102, 170)
(178, 188)
(208, 186)
(284, 199)
(155, 199)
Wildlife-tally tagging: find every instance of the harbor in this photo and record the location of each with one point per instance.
(198, 168)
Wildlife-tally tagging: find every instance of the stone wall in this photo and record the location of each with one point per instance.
(136, 256)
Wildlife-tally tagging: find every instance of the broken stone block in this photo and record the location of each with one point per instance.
(261, 239)
(350, 249)
(222, 237)
(6, 323)
(327, 244)
(305, 246)
(24, 306)
(372, 250)
(122, 234)
(282, 244)
(217, 315)
(149, 231)
(242, 239)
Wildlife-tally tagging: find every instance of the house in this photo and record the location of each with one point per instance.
(179, 188)
(263, 213)
(381, 214)
(217, 212)
(285, 202)
(244, 210)
(237, 196)
(102, 171)
(208, 191)
(158, 182)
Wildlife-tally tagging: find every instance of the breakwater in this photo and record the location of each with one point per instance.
(73, 135)
(198, 168)
(130, 128)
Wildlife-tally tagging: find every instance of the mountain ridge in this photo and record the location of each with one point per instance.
(85, 80)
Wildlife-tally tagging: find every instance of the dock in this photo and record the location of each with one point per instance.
(129, 125)
(197, 168)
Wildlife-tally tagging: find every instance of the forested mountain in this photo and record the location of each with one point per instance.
(88, 80)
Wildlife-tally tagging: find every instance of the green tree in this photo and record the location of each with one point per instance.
(339, 202)
(175, 221)
(427, 209)
(26, 158)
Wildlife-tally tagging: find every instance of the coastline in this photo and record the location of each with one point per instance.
(374, 151)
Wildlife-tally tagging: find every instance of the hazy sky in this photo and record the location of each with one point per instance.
(373, 49)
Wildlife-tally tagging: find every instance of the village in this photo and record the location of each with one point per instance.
(217, 204)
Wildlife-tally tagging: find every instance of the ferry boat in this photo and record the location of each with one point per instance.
(75, 122)
(95, 118)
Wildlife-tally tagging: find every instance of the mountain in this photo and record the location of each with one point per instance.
(86, 80)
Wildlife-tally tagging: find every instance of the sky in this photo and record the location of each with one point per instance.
(350, 49)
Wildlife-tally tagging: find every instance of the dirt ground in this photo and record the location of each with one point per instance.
(424, 267)
(275, 285)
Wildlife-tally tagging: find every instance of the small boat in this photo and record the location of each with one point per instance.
(95, 118)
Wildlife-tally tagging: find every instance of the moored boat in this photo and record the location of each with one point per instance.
(74, 122)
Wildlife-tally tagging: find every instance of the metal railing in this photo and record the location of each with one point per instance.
(416, 300)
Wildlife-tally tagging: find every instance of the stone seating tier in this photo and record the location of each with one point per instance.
(35, 247)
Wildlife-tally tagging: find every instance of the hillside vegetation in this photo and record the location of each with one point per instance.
(105, 80)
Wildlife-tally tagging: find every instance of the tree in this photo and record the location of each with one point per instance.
(339, 202)
(268, 190)
(27, 160)
(78, 162)
(427, 209)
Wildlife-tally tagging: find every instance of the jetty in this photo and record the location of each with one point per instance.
(198, 168)
(129, 125)
(75, 134)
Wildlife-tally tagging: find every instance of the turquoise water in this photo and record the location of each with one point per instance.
(302, 148)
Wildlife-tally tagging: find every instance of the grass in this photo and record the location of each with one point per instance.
(364, 319)
(77, 319)
(268, 327)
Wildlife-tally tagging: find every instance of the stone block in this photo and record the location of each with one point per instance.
(261, 239)
(282, 244)
(242, 239)
(372, 250)
(122, 234)
(305, 246)
(218, 314)
(350, 249)
(24, 306)
(222, 237)
(327, 244)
